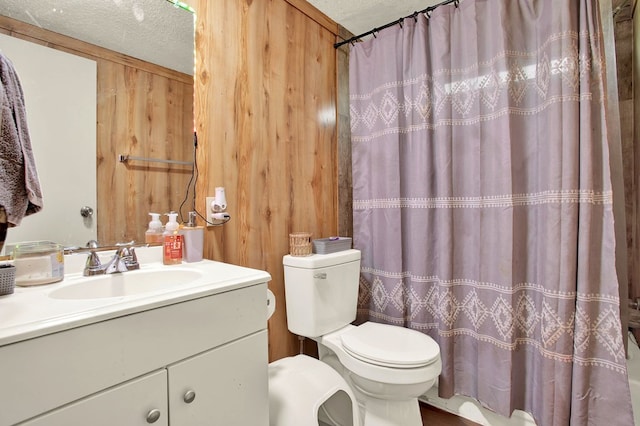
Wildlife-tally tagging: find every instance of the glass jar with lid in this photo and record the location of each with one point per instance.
(38, 262)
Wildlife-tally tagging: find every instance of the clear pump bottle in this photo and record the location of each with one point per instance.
(154, 232)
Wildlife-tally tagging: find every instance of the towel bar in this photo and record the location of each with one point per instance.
(125, 158)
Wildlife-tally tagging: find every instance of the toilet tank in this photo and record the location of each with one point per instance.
(321, 291)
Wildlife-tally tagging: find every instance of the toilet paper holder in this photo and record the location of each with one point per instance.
(271, 303)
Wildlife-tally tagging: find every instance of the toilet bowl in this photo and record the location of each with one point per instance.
(386, 367)
(385, 353)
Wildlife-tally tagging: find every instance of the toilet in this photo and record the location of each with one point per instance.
(385, 367)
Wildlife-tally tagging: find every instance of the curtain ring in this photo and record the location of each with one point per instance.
(375, 30)
(456, 3)
(400, 22)
(415, 16)
(427, 14)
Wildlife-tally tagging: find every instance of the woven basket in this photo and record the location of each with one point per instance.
(300, 244)
(7, 279)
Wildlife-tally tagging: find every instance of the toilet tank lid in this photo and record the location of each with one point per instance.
(321, 260)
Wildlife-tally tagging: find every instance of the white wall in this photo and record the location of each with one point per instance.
(60, 97)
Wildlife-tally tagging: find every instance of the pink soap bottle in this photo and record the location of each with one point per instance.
(172, 242)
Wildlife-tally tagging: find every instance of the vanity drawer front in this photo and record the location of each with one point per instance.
(229, 385)
(44, 373)
(129, 404)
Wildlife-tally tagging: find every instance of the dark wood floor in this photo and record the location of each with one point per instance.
(434, 416)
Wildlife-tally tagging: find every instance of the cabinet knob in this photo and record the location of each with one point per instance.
(189, 396)
(153, 415)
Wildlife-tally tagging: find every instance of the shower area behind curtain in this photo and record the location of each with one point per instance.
(483, 203)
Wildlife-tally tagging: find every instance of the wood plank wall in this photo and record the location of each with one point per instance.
(345, 184)
(266, 120)
(142, 114)
(143, 110)
(635, 176)
(623, 37)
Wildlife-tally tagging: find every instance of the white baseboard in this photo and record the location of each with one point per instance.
(470, 409)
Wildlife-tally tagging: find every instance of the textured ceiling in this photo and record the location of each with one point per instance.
(153, 30)
(158, 32)
(360, 16)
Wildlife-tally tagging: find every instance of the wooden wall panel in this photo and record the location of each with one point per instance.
(266, 120)
(634, 257)
(145, 115)
(345, 184)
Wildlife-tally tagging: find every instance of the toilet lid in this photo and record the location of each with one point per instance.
(391, 346)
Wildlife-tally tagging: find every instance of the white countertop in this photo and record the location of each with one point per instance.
(30, 311)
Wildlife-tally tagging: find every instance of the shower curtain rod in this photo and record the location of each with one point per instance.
(414, 15)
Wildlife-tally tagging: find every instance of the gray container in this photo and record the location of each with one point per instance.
(331, 245)
(7, 279)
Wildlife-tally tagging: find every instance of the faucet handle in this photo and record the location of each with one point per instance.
(131, 260)
(126, 251)
(123, 248)
(92, 244)
(132, 253)
(92, 265)
(93, 260)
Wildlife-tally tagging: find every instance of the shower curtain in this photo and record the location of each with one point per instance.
(483, 203)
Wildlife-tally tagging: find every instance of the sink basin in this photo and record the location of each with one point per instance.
(126, 284)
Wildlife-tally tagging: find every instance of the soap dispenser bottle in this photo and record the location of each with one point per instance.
(172, 242)
(154, 233)
(193, 240)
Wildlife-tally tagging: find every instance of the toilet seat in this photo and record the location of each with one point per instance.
(390, 346)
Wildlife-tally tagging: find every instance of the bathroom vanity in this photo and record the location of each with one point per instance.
(101, 352)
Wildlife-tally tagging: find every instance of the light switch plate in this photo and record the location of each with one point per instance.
(209, 209)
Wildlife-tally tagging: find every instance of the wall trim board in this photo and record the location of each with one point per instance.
(22, 30)
(317, 16)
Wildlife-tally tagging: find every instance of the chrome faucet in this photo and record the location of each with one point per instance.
(122, 261)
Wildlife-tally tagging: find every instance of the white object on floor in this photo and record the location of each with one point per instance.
(471, 409)
(633, 370)
(305, 391)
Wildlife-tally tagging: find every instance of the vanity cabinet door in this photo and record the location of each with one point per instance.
(226, 386)
(141, 401)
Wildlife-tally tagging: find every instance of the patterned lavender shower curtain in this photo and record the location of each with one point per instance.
(483, 203)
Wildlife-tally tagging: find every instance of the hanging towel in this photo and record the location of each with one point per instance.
(20, 192)
(3, 227)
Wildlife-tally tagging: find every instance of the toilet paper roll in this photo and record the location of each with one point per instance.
(271, 303)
